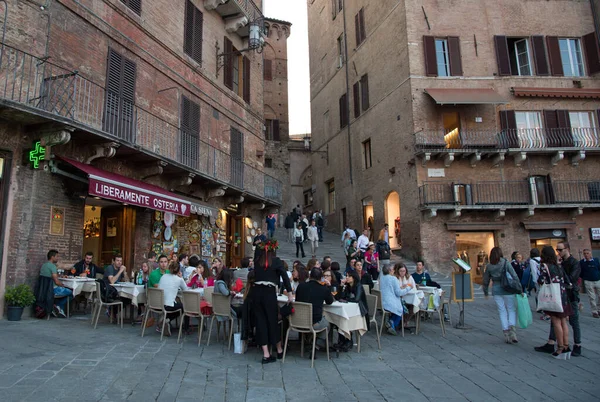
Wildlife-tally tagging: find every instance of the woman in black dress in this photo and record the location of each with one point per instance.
(268, 271)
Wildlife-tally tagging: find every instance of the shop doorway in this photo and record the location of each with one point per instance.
(235, 240)
(368, 220)
(474, 249)
(392, 211)
(542, 238)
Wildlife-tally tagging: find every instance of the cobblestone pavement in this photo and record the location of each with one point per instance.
(67, 360)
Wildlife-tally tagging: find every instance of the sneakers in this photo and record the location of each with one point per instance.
(513, 334)
(61, 312)
(595, 314)
(547, 348)
(55, 311)
(576, 350)
(392, 331)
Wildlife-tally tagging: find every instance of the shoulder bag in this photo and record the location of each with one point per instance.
(510, 284)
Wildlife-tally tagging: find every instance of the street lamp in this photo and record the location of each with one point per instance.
(307, 146)
(256, 42)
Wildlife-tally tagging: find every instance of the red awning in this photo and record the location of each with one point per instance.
(119, 188)
(465, 96)
(581, 93)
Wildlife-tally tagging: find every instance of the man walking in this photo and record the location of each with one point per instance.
(50, 270)
(313, 238)
(384, 234)
(289, 226)
(590, 273)
(573, 270)
(320, 224)
(363, 241)
(271, 225)
(304, 223)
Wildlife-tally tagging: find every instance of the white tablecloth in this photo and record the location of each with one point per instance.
(137, 293)
(346, 316)
(78, 285)
(414, 297)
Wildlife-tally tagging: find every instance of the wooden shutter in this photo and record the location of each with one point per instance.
(502, 57)
(343, 111)
(276, 133)
(508, 125)
(564, 128)
(246, 78)
(539, 55)
(192, 31)
(119, 118)
(190, 116)
(454, 56)
(554, 55)
(268, 70)
(237, 158)
(551, 128)
(357, 29)
(228, 63)
(364, 91)
(592, 53)
(189, 141)
(363, 29)
(430, 58)
(356, 95)
(134, 5)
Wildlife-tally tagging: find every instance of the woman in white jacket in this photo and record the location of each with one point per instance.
(299, 238)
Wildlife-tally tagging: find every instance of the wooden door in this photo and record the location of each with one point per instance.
(235, 232)
(117, 235)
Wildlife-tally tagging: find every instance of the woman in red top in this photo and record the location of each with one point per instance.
(372, 261)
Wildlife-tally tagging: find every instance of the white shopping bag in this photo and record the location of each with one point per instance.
(237, 343)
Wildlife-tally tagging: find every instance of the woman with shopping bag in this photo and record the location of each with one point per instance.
(553, 300)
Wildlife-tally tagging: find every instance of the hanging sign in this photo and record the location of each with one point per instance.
(57, 221)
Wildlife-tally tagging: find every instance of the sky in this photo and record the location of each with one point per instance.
(295, 11)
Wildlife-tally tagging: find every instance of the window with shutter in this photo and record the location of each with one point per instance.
(454, 57)
(364, 91)
(268, 129)
(192, 31)
(134, 5)
(359, 27)
(592, 53)
(246, 79)
(356, 97)
(341, 50)
(539, 55)
(189, 136)
(502, 57)
(343, 111)
(119, 108)
(268, 70)
(429, 53)
(367, 161)
(571, 57)
(237, 158)
(276, 134)
(268, 162)
(508, 125)
(228, 63)
(554, 55)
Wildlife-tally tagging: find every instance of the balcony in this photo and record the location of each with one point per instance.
(37, 91)
(573, 143)
(238, 14)
(528, 194)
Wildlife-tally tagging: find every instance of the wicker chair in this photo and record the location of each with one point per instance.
(447, 302)
(221, 306)
(98, 304)
(155, 302)
(301, 321)
(191, 308)
(367, 289)
(208, 292)
(372, 303)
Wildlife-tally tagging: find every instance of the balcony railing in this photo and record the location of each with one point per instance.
(56, 93)
(527, 192)
(540, 138)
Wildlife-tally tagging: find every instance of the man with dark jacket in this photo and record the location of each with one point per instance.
(320, 224)
(288, 223)
(573, 271)
(316, 294)
(86, 268)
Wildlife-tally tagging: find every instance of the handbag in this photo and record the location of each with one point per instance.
(549, 297)
(510, 284)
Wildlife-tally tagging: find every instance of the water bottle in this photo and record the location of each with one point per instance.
(140, 278)
(424, 280)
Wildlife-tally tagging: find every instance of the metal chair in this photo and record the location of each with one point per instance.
(208, 292)
(301, 321)
(447, 303)
(191, 308)
(372, 303)
(221, 306)
(98, 304)
(379, 307)
(155, 302)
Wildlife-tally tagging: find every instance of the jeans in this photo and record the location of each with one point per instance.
(592, 288)
(300, 247)
(320, 232)
(506, 310)
(58, 292)
(395, 320)
(574, 321)
(271, 233)
(291, 235)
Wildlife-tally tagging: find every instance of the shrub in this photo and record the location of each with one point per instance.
(19, 296)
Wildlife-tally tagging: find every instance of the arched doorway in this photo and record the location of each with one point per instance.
(392, 211)
(368, 216)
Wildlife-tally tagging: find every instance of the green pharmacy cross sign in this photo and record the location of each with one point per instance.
(37, 154)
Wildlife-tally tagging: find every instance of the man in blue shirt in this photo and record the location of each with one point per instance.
(590, 273)
(271, 225)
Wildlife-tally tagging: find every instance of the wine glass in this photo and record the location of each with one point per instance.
(334, 290)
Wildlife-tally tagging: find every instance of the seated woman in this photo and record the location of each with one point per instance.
(352, 292)
(299, 275)
(330, 280)
(406, 281)
(223, 287)
(335, 267)
(209, 278)
(171, 283)
(365, 277)
(390, 299)
(196, 279)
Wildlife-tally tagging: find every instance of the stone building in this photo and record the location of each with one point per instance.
(125, 128)
(462, 126)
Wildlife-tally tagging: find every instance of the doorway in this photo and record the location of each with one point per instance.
(392, 211)
(235, 240)
(451, 121)
(368, 216)
(474, 249)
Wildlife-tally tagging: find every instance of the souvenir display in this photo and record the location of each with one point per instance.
(168, 233)
(255, 225)
(249, 239)
(219, 220)
(253, 232)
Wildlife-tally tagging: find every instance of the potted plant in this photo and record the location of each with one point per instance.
(17, 298)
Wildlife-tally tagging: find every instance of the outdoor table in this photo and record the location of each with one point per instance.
(414, 298)
(137, 293)
(345, 316)
(78, 285)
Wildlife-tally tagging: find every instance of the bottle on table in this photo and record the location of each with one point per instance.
(140, 277)
(424, 280)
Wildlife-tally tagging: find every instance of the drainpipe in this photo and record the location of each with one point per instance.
(347, 93)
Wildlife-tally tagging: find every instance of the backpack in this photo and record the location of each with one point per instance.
(384, 251)
(40, 312)
(108, 293)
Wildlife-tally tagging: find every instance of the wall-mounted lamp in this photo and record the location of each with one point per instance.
(256, 42)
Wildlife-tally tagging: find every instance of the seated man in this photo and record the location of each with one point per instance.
(117, 273)
(86, 268)
(317, 294)
(421, 276)
(154, 278)
(49, 270)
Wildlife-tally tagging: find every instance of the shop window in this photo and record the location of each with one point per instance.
(474, 249)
